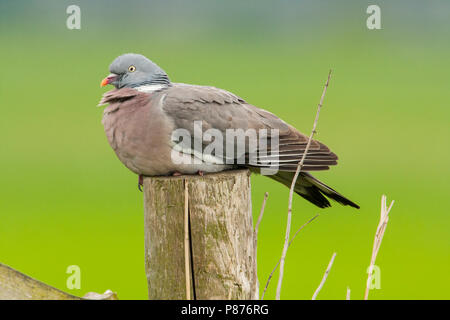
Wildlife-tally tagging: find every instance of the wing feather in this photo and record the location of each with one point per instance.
(221, 110)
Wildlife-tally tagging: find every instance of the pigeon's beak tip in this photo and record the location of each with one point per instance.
(104, 82)
(109, 79)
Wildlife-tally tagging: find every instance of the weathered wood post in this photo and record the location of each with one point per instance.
(15, 285)
(202, 225)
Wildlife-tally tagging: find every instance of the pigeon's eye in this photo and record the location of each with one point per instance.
(131, 68)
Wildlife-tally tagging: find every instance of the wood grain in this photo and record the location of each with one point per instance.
(221, 236)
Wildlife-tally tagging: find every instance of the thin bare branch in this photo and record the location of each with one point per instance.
(291, 191)
(255, 234)
(299, 229)
(278, 263)
(266, 195)
(325, 276)
(384, 218)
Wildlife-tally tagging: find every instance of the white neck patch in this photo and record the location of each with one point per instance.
(147, 88)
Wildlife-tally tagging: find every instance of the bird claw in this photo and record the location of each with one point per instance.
(176, 174)
(200, 173)
(140, 182)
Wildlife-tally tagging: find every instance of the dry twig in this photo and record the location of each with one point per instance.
(325, 276)
(255, 234)
(266, 195)
(384, 218)
(278, 263)
(291, 191)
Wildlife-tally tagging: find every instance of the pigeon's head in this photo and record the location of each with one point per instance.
(134, 70)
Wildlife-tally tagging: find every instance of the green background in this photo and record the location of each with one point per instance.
(65, 199)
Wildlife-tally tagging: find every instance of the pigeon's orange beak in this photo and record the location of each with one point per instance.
(109, 79)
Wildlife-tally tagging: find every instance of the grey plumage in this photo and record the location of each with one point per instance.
(146, 71)
(139, 128)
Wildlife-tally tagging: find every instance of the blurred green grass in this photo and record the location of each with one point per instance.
(66, 199)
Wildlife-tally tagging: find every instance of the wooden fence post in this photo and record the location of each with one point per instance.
(220, 252)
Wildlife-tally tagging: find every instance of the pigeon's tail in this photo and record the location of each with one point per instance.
(312, 189)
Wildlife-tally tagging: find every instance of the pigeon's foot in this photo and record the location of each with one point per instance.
(140, 182)
(200, 173)
(177, 174)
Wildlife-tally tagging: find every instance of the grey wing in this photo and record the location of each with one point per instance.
(246, 135)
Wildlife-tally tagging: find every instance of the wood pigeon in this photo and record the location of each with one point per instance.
(157, 127)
